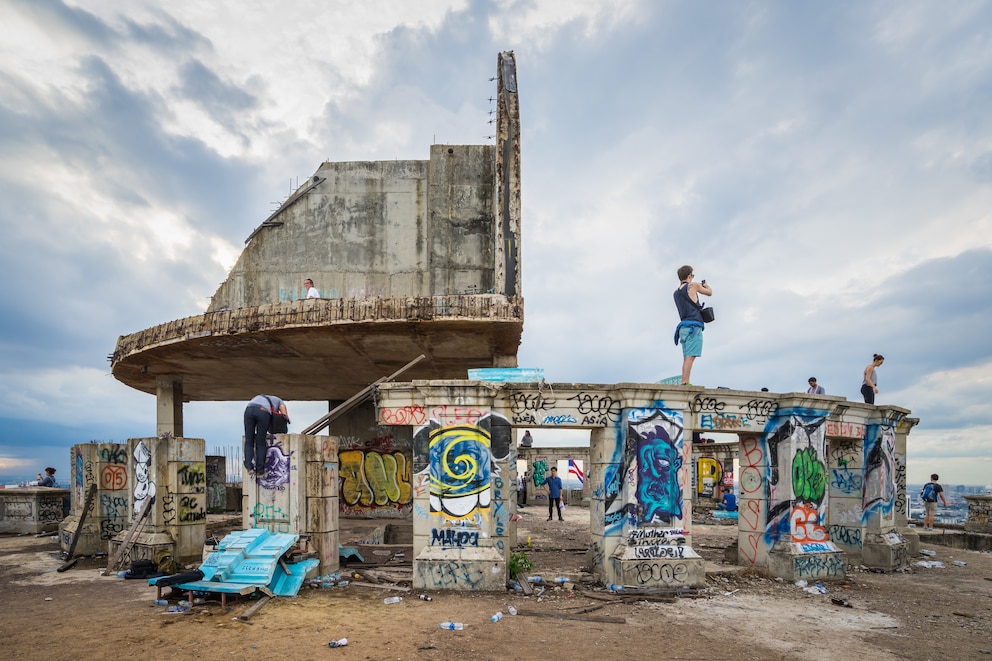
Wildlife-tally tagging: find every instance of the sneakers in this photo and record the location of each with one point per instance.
(549, 518)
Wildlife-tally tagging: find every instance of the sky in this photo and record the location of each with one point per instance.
(826, 167)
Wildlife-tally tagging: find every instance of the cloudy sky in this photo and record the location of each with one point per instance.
(827, 167)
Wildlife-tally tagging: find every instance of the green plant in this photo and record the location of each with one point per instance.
(519, 562)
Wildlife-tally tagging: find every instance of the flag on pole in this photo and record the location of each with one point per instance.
(573, 469)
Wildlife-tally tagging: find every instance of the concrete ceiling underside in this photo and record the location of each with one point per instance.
(323, 360)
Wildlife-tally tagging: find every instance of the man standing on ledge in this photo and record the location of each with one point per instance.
(690, 329)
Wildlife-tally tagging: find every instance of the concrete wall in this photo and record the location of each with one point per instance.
(31, 510)
(106, 466)
(376, 479)
(377, 229)
(640, 472)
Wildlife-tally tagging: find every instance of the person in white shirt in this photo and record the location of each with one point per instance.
(311, 290)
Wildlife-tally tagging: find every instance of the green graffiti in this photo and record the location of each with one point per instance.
(538, 469)
(809, 476)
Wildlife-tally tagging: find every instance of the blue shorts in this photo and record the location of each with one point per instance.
(691, 339)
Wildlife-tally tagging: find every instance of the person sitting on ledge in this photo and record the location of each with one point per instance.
(728, 503)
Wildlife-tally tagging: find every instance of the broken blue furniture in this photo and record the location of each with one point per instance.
(246, 561)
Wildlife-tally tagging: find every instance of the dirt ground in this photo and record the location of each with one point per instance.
(925, 613)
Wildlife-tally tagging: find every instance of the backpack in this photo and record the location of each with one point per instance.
(929, 493)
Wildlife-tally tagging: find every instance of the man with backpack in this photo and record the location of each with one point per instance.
(931, 491)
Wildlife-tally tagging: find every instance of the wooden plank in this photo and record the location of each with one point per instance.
(90, 495)
(569, 616)
(524, 584)
(129, 538)
(357, 398)
(381, 586)
(244, 617)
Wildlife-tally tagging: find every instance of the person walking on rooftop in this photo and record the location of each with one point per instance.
(689, 332)
(931, 492)
(869, 387)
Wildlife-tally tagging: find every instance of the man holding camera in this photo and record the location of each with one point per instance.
(689, 332)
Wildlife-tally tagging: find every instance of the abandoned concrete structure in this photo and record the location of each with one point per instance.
(423, 257)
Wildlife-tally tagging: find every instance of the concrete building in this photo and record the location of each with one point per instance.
(409, 258)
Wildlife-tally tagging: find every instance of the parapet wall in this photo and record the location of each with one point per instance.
(377, 229)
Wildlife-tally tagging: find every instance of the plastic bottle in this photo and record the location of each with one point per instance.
(122, 573)
(497, 617)
(199, 600)
(562, 580)
(425, 597)
(535, 579)
(613, 587)
(512, 610)
(392, 600)
(343, 583)
(183, 603)
(456, 626)
(338, 643)
(161, 602)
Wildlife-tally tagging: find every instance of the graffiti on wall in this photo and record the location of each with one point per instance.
(459, 462)
(144, 488)
(277, 467)
(654, 436)
(709, 473)
(879, 489)
(370, 479)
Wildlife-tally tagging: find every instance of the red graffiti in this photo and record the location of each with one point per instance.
(404, 415)
(751, 450)
(750, 549)
(113, 477)
(805, 523)
(750, 513)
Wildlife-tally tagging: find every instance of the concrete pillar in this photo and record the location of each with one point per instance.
(605, 477)
(459, 521)
(298, 493)
(655, 548)
(172, 472)
(911, 535)
(845, 482)
(796, 535)
(105, 465)
(169, 406)
(883, 546)
(216, 483)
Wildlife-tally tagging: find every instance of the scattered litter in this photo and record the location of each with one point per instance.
(959, 563)
(928, 552)
(392, 600)
(425, 597)
(338, 643)
(816, 589)
(511, 610)
(841, 602)
(801, 583)
(497, 617)
(727, 594)
(48, 599)
(455, 626)
(930, 564)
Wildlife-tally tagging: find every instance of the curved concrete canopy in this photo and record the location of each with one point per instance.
(321, 349)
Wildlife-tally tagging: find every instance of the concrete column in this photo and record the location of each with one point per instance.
(912, 537)
(459, 508)
(169, 406)
(845, 480)
(106, 466)
(883, 547)
(172, 472)
(655, 548)
(796, 507)
(605, 477)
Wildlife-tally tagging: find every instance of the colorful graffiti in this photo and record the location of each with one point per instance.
(461, 470)
(655, 435)
(370, 478)
(539, 471)
(709, 472)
